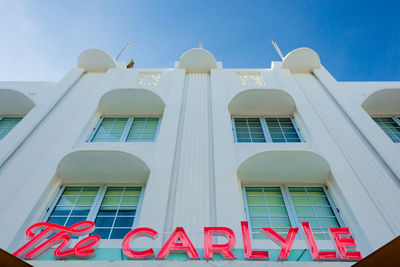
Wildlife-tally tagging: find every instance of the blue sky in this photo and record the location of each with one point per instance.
(356, 40)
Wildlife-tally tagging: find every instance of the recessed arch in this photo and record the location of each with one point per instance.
(259, 102)
(302, 59)
(14, 103)
(197, 60)
(131, 102)
(95, 60)
(284, 166)
(102, 166)
(383, 102)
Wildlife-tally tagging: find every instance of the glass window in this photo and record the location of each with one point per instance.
(260, 130)
(272, 206)
(391, 126)
(143, 130)
(7, 124)
(249, 130)
(113, 209)
(125, 129)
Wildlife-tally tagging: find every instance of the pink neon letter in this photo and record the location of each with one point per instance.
(285, 244)
(224, 249)
(172, 245)
(315, 253)
(132, 235)
(35, 247)
(249, 254)
(343, 242)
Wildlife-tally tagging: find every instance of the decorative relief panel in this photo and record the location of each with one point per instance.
(149, 78)
(249, 79)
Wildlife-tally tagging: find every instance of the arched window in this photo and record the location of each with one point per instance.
(281, 189)
(128, 115)
(13, 107)
(105, 187)
(384, 108)
(264, 115)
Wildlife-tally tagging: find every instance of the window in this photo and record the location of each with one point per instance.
(7, 124)
(282, 207)
(125, 129)
(261, 130)
(391, 126)
(113, 209)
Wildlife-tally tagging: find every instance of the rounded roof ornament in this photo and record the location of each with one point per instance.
(95, 60)
(197, 60)
(301, 60)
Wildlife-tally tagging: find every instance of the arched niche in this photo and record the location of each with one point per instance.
(261, 102)
(383, 102)
(284, 166)
(102, 167)
(301, 60)
(197, 60)
(14, 103)
(95, 60)
(131, 102)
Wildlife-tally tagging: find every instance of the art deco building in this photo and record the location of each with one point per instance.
(199, 145)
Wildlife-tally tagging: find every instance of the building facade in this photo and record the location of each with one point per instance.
(198, 145)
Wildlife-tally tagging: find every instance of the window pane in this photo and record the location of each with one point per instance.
(104, 221)
(110, 130)
(7, 124)
(118, 209)
(81, 211)
(57, 220)
(74, 205)
(282, 130)
(119, 233)
(255, 200)
(104, 233)
(311, 205)
(73, 220)
(266, 208)
(124, 222)
(249, 130)
(390, 127)
(143, 130)
(61, 211)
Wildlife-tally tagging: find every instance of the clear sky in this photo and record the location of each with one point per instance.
(356, 40)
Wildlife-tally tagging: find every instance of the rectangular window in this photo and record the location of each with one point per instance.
(113, 209)
(7, 124)
(282, 207)
(125, 129)
(391, 126)
(261, 130)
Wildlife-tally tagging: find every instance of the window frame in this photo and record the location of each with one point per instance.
(395, 119)
(125, 132)
(264, 126)
(95, 207)
(13, 117)
(290, 209)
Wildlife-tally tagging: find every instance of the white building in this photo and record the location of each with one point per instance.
(199, 145)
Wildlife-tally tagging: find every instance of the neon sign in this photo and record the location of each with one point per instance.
(45, 235)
